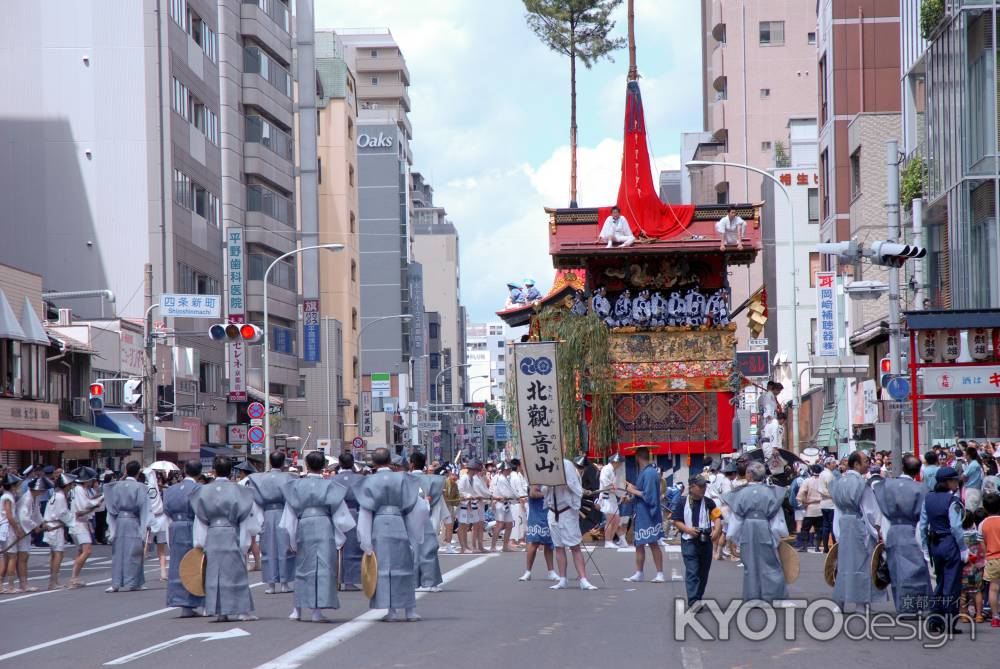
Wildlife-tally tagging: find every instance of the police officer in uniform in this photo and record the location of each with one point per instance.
(940, 532)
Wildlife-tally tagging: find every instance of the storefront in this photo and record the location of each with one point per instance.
(113, 449)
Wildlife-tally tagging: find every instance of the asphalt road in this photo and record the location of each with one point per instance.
(484, 619)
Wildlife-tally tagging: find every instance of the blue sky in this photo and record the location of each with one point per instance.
(490, 114)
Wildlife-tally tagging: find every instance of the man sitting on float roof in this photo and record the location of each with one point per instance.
(616, 229)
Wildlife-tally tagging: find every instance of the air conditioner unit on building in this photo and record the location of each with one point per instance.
(78, 409)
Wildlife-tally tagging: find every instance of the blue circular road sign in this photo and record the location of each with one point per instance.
(898, 388)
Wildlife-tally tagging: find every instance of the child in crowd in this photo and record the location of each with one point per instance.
(989, 530)
(972, 570)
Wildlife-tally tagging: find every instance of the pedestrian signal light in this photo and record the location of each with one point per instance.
(232, 333)
(847, 252)
(884, 371)
(97, 396)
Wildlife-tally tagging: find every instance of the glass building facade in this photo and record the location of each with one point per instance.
(963, 167)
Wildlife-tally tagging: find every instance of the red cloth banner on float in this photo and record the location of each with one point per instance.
(638, 198)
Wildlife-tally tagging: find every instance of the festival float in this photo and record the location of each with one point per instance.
(646, 342)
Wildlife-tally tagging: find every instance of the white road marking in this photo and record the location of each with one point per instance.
(204, 636)
(691, 657)
(49, 592)
(91, 631)
(345, 631)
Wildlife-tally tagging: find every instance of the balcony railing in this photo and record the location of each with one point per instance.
(261, 131)
(277, 10)
(264, 200)
(256, 61)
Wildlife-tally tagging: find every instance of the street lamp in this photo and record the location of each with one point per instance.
(267, 334)
(796, 387)
(357, 347)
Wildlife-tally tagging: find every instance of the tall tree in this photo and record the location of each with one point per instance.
(579, 29)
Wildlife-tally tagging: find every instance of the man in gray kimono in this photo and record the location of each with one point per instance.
(856, 520)
(900, 501)
(315, 518)
(431, 488)
(177, 507)
(350, 551)
(127, 502)
(225, 519)
(391, 523)
(757, 524)
(269, 494)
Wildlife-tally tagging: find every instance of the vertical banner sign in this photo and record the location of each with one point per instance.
(366, 414)
(826, 314)
(538, 416)
(236, 357)
(310, 330)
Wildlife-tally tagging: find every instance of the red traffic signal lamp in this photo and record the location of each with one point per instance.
(97, 396)
(232, 333)
(884, 371)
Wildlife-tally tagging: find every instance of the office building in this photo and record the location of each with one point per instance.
(758, 65)
(486, 353)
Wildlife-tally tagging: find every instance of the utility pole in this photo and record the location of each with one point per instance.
(895, 354)
(149, 393)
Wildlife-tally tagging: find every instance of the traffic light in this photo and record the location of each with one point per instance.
(97, 397)
(232, 333)
(892, 254)
(132, 392)
(848, 252)
(884, 371)
(757, 313)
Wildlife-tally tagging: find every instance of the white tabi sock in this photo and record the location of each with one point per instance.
(391, 616)
(659, 577)
(412, 615)
(295, 614)
(560, 585)
(287, 587)
(269, 590)
(187, 612)
(587, 585)
(553, 576)
(526, 576)
(318, 617)
(634, 578)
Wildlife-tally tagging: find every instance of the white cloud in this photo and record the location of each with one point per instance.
(503, 225)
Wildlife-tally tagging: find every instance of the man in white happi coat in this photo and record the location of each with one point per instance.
(520, 484)
(474, 494)
(563, 504)
(504, 500)
(608, 500)
(616, 230)
(730, 229)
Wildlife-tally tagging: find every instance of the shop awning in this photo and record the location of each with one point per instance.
(954, 319)
(9, 327)
(45, 440)
(213, 451)
(122, 423)
(110, 441)
(258, 395)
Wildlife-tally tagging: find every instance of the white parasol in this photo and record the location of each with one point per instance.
(164, 466)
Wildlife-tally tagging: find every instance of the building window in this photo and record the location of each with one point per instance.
(276, 9)
(264, 200)
(352, 222)
(772, 33)
(374, 53)
(435, 359)
(319, 170)
(374, 81)
(191, 281)
(209, 377)
(823, 93)
(180, 99)
(261, 131)
(814, 205)
(814, 266)
(824, 170)
(811, 38)
(350, 129)
(350, 175)
(282, 339)
(196, 198)
(354, 319)
(354, 271)
(856, 174)
(499, 344)
(765, 93)
(301, 392)
(765, 146)
(433, 330)
(257, 61)
(283, 274)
